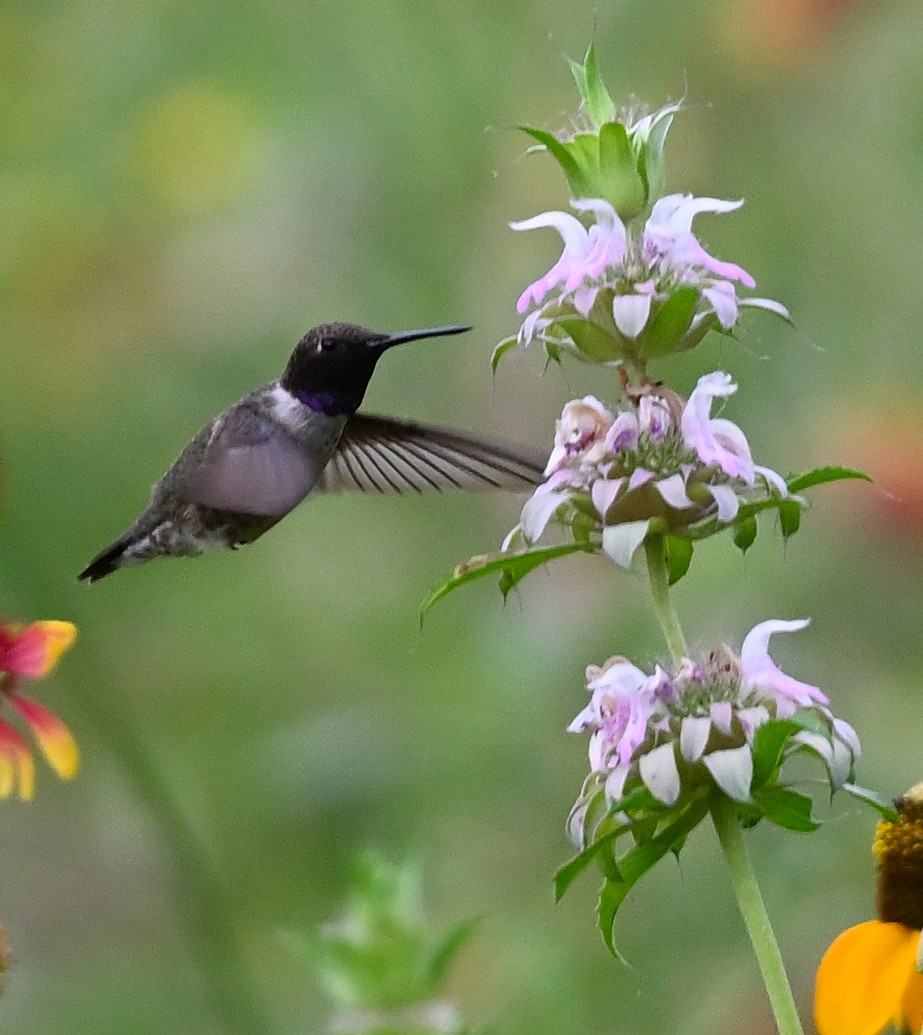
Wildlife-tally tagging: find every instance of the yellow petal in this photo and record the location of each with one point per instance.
(912, 1002)
(53, 737)
(6, 775)
(862, 978)
(26, 777)
(58, 638)
(16, 765)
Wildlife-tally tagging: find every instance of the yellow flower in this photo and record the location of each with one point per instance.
(868, 979)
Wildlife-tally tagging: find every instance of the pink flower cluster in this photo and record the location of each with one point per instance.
(653, 459)
(634, 272)
(656, 727)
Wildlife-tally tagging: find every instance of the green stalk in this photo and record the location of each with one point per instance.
(206, 909)
(753, 910)
(655, 548)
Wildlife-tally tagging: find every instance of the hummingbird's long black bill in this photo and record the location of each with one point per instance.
(405, 336)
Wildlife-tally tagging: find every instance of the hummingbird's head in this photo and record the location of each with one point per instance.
(333, 363)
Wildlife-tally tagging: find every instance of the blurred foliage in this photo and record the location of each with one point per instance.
(186, 189)
(379, 963)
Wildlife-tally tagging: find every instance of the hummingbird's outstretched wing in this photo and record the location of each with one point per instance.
(378, 454)
(251, 466)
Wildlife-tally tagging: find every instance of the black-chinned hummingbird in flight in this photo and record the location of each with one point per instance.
(256, 461)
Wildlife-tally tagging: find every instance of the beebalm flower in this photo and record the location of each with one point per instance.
(614, 281)
(695, 723)
(657, 460)
(31, 652)
(869, 979)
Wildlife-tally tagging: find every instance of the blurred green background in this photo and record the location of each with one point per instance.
(185, 188)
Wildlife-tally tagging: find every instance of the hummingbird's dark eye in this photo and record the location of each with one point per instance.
(328, 345)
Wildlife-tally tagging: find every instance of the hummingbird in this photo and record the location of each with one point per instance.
(258, 459)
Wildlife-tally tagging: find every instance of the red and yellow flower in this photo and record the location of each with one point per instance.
(31, 652)
(869, 980)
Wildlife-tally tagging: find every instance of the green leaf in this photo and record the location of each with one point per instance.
(552, 352)
(787, 808)
(584, 147)
(768, 747)
(619, 180)
(811, 722)
(877, 801)
(446, 950)
(564, 158)
(638, 799)
(571, 870)
(598, 103)
(611, 896)
(511, 566)
(592, 340)
(501, 351)
(789, 517)
(634, 864)
(669, 323)
(745, 533)
(679, 557)
(822, 475)
(578, 71)
(650, 160)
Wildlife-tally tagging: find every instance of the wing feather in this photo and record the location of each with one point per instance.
(378, 454)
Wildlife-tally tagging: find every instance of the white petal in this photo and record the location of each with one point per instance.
(724, 302)
(751, 719)
(772, 479)
(570, 228)
(538, 511)
(721, 715)
(587, 719)
(728, 503)
(623, 433)
(693, 736)
(659, 773)
(615, 781)
(638, 477)
(576, 830)
(842, 763)
(511, 538)
(756, 642)
(766, 303)
(673, 491)
(732, 771)
(630, 313)
(621, 541)
(604, 492)
(848, 735)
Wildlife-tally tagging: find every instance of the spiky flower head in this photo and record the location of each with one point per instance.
(657, 466)
(721, 724)
(620, 292)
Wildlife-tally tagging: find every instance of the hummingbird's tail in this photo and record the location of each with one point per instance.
(106, 561)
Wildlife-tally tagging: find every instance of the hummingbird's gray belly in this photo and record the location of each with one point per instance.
(193, 529)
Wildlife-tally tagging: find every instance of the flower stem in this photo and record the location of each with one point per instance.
(753, 910)
(656, 549)
(205, 907)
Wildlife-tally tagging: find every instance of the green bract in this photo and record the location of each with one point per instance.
(620, 158)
